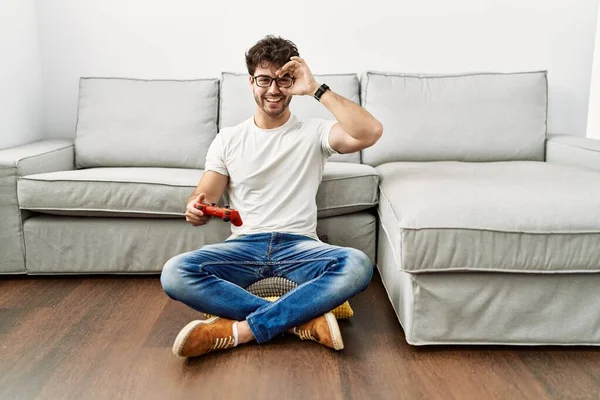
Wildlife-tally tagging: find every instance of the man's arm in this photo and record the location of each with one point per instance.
(356, 128)
(211, 187)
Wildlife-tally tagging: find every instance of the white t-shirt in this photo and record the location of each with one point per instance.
(273, 174)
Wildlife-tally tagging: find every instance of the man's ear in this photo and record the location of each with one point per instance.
(250, 79)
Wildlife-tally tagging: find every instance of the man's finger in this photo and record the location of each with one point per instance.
(196, 218)
(198, 221)
(193, 211)
(281, 70)
(287, 66)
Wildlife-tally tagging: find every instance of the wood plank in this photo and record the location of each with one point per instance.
(567, 373)
(35, 292)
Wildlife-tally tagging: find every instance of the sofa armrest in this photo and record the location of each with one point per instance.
(39, 157)
(32, 158)
(573, 150)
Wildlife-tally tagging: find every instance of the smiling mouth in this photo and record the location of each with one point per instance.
(277, 100)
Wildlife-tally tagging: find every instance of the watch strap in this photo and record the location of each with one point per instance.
(322, 89)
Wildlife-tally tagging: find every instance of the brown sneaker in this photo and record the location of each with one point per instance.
(323, 329)
(200, 337)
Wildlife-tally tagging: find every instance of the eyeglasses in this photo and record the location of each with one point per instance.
(265, 81)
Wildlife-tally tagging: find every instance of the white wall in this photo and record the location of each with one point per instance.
(20, 74)
(199, 39)
(593, 126)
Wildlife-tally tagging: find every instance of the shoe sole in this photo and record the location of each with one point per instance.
(334, 328)
(185, 333)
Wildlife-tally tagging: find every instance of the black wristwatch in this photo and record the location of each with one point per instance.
(322, 89)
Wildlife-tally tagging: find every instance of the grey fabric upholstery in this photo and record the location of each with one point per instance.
(491, 308)
(347, 188)
(519, 216)
(140, 192)
(145, 123)
(237, 103)
(42, 156)
(163, 192)
(467, 117)
(356, 230)
(83, 245)
(573, 150)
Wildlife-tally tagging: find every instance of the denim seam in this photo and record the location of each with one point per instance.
(257, 334)
(200, 266)
(306, 261)
(302, 261)
(270, 247)
(257, 273)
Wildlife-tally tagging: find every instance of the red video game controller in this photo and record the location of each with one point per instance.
(226, 214)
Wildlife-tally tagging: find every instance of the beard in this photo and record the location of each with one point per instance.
(282, 105)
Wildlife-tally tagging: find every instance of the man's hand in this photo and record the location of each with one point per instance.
(304, 82)
(195, 216)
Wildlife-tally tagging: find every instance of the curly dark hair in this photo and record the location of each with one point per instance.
(271, 50)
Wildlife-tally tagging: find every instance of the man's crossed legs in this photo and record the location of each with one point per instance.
(212, 280)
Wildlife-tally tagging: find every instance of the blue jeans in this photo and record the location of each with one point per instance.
(211, 279)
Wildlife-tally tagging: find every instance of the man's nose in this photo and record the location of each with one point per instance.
(274, 88)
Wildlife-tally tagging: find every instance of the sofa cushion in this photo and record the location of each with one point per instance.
(136, 192)
(163, 192)
(347, 188)
(237, 103)
(516, 216)
(145, 123)
(469, 117)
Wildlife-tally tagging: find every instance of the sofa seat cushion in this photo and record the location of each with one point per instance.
(163, 192)
(518, 216)
(347, 188)
(110, 191)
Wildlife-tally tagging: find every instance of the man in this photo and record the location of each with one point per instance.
(272, 166)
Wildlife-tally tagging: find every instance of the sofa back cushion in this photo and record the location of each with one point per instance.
(145, 123)
(237, 103)
(468, 117)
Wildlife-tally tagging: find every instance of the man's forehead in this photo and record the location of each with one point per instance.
(265, 70)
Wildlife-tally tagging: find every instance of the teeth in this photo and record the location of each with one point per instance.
(273, 100)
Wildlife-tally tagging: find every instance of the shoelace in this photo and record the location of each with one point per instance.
(222, 343)
(305, 334)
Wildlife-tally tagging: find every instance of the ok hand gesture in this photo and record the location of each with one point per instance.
(304, 82)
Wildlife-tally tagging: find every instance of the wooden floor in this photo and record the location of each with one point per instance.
(110, 338)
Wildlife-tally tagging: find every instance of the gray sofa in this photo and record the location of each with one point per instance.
(484, 228)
